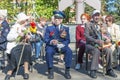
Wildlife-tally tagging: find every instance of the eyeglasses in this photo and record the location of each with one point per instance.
(107, 20)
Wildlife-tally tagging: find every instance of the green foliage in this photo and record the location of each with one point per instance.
(6, 4)
(88, 9)
(46, 7)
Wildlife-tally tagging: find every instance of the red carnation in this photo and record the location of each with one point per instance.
(51, 33)
(32, 24)
(119, 43)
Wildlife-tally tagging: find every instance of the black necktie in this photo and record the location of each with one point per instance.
(98, 32)
(96, 26)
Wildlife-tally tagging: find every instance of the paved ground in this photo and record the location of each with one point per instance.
(40, 73)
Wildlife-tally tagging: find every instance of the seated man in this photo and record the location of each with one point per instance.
(57, 39)
(93, 38)
(4, 30)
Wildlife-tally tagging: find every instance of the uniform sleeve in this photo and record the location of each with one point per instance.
(4, 33)
(46, 36)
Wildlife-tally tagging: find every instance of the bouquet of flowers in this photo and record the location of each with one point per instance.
(33, 28)
(20, 38)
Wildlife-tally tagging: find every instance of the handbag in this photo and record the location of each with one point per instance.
(35, 37)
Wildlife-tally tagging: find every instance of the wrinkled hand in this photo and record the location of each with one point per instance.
(60, 46)
(21, 34)
(107, 41)
(54, 42)
(27, 37)
(38, 32)
(82, 41)
(99, 42)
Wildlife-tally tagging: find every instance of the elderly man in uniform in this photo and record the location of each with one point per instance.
(93, 44)
(57, 39)
(4, 30)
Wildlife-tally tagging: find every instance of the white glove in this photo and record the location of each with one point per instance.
(60, 46)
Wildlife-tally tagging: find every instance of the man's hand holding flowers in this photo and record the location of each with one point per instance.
(54, 42)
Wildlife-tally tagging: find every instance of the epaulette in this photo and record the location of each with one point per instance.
(64, 25)
(50, 24)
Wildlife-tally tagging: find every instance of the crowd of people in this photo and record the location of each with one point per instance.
(96, 35)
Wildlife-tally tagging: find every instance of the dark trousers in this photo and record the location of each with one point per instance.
(16, 53)
(51, 50)
(96, 53)
(108, 52)
(81, 53)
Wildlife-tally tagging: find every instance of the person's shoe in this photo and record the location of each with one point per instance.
(7, 77)
(67, 74)
(100, 66)
(77, 66)
(93, 74)
(111, 73)
(26, 76)
(37, 60)
(50, 74)
(31, 68)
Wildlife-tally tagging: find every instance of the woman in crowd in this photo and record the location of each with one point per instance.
(18, 45)
(80, 38)
(39, 31)
(114, 31)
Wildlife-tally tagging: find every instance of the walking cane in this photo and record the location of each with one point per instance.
(75, 55)
(76, 50)
(18, 66)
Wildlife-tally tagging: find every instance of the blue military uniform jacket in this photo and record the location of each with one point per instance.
(4, 29)
(52, 32)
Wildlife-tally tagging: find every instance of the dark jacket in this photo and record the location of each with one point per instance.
(4, 29)
(79, 35)
(91, 34)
